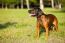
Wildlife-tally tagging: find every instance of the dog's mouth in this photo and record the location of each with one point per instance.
(32, 15)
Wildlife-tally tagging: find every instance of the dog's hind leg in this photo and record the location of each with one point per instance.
(56, 26)
(53, 28)
(47, 31)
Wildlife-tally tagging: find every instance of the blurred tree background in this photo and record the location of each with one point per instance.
(63, 5)
(32, 3)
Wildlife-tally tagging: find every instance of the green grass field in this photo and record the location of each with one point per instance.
(17, 27)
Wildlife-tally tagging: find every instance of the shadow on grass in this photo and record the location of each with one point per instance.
(6, 25)
(42, 30)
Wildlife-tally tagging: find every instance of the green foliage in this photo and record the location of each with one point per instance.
(56, 1)
(31, 1)
(15, 1)
(8, 1)
(63, 3)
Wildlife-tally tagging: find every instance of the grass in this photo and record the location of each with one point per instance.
(17, 27)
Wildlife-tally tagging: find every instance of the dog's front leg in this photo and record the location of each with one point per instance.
(38, 30)
(47, 31)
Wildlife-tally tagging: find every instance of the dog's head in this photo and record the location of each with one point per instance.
(35, 12)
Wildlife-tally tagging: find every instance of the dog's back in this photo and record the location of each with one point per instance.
(47, 20)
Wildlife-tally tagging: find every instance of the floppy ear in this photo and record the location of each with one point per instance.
(39, 12)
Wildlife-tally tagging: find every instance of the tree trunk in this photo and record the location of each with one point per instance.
(6, 6)
(41, 4)
(17, 4)
(27, 1)
(59, 4)
(2, 5)
(52, 1)
(11, 6)
(21, 4)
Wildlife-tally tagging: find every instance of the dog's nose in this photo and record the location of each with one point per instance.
(29, 11)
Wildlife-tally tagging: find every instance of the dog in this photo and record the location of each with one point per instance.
(44, 20)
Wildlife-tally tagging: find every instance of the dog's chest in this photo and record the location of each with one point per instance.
(42, 20)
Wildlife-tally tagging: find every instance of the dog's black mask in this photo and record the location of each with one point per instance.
(35, 12)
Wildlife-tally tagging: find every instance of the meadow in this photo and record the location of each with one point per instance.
(17, 27)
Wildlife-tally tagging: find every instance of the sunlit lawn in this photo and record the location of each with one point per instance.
(17, 27)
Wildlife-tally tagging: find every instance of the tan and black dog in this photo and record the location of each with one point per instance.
(44, 21)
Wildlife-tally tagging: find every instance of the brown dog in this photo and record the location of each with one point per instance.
(43, 20)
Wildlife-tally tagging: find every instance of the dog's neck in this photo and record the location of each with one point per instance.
(41, 15)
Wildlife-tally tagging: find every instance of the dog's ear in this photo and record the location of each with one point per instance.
(40, 12)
